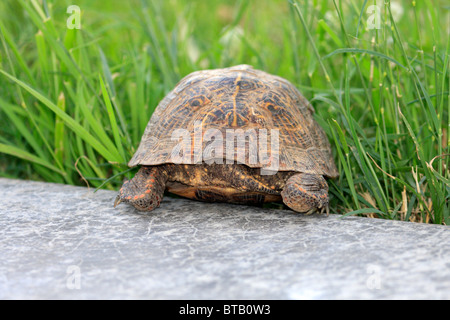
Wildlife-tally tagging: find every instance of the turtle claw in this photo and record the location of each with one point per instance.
(325, 209)
(117, 201)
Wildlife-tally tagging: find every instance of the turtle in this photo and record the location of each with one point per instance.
(234, 108)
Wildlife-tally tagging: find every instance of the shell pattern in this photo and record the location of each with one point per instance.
(232, 99)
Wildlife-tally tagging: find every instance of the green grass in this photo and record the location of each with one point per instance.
(74, 103)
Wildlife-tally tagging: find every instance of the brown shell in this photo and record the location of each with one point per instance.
(239, 97)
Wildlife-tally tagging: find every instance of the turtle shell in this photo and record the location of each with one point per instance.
(247, 104)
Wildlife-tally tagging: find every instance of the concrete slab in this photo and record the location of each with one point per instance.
(65, 242)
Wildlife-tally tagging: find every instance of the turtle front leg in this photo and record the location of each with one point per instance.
(305, 192)
(145, 191)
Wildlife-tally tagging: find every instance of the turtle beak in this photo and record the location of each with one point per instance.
(117, 201)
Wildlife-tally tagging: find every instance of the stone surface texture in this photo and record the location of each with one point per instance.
(65, 242)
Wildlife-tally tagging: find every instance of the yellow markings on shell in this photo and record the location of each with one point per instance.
(238, 78)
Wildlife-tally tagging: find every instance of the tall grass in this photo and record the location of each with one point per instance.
(74, 103)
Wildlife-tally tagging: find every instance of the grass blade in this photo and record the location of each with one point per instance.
(70, 122)
(370, 52)
(19, 153)
(112, 120)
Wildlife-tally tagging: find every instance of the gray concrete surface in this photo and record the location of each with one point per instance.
(65, 242)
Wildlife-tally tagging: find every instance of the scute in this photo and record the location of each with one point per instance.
(236, 98)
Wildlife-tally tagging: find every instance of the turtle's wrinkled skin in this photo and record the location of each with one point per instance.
(239, 97)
